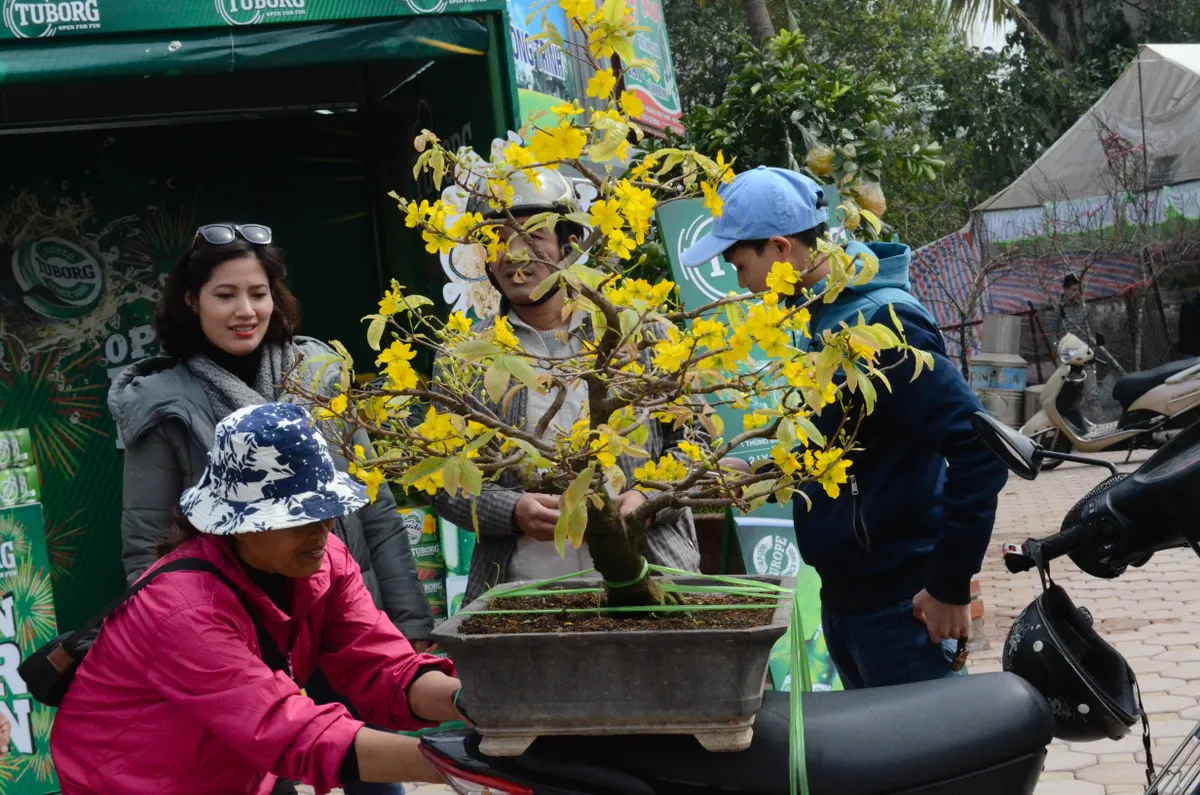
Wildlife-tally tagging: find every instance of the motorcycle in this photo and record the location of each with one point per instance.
(1122, 522)
(1162, 399)
(988, 734)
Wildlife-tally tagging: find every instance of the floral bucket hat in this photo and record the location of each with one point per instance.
(269, 469)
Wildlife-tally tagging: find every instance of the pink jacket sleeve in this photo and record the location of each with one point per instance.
(228, 689)
(365, 657)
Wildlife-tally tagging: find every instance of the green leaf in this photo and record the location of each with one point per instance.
(623, 48)
(480, 442)
(868, 393)
(547, 284)
(535, 457)
(810, 430)
(522, 370)
(496, 379)
(873, 220)
(472, 477)
(572, 518)
(375, 330)
(474, 349)
(452, 475)
(895, 320)
(424, 469)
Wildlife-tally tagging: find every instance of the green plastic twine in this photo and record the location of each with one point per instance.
(641, 576)
(797, 652)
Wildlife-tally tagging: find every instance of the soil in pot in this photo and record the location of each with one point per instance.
(625, 621)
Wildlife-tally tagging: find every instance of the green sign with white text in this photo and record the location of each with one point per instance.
(767, 536)
(27, 622)
(34, 19)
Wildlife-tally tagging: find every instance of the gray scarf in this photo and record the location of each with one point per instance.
(227, 393)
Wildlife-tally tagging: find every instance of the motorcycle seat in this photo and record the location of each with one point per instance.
(1129, 388)
(861, 742)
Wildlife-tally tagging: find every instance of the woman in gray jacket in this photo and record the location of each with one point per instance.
(227, 324)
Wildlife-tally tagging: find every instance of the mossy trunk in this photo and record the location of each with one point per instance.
(616, 554)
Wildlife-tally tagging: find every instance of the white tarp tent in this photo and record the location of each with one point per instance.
(1155, 107)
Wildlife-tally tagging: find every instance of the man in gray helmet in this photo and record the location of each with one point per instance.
(516, 527)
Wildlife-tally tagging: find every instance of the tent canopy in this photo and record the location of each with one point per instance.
(1155, 102)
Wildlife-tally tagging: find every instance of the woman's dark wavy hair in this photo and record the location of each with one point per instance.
(176, 325)
(181, 531)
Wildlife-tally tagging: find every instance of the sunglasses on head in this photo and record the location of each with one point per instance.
(224, 234)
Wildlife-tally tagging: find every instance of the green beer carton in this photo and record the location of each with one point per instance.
(19, 487)
(16, 449)
(457, 548)
(422, 528)
(456, 591)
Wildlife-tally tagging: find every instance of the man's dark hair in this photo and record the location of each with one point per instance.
(176, 324)
(808, 237)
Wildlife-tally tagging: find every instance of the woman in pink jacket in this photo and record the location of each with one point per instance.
(175, 696)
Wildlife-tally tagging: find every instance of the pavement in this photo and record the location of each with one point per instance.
(1151, 615)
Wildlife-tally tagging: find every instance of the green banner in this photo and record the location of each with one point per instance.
(544, 72)
(767, 537)
(26, 623)
(216, 50)
(32, 19)
(659, 92)
(89, 224)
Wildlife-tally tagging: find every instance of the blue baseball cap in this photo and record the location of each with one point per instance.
(759, 204)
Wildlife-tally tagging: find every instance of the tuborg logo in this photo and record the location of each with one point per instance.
(427, 6)
(252, 12)
(714, 278)
(776, 556)
(59, 279)
(33, 19)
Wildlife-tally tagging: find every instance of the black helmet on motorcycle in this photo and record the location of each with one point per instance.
(1090, 686)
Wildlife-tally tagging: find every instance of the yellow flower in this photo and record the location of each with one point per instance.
(671, 353)
(799, 321)
(601, 84)
(458, 323)
(566, 110)
(621, 244)
(712, 201)
(338, 404)
(641, 172)
(391, 303)
(827, 469)
(504, 333)
(464, 224)
(693, 451)
(631, 105)
(564, 142)
(400, 373)
(606, 215)
(373, 479)
(440, 432)
(666, 470)
(785, 460)
(708, 333)
(517, 156)
(782, 278)
(753, 421)
(726, 168)
(603, 452)
(431, 484)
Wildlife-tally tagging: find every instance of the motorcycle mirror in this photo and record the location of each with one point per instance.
(1099, 340)
(1019, 453)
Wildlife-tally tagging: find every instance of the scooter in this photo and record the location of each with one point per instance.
(1162, 399)
(984, 734)
(1122, 522)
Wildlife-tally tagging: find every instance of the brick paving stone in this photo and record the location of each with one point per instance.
(1162, 702)
(1157, 683)
(1190, 689)
(1114, 773)
(1189, 654)
(1069, 788)
(1187, 670)
(1061, 760)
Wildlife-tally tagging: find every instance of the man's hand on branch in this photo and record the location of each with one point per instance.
(630, 501)
(536, 515)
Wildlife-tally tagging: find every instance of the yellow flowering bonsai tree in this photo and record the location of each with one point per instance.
(649, 359)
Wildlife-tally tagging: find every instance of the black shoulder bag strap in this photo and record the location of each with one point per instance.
(271, 655)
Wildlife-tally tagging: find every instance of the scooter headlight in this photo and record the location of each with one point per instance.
(1068, 355)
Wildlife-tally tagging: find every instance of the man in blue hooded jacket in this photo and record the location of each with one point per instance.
(897, 550)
